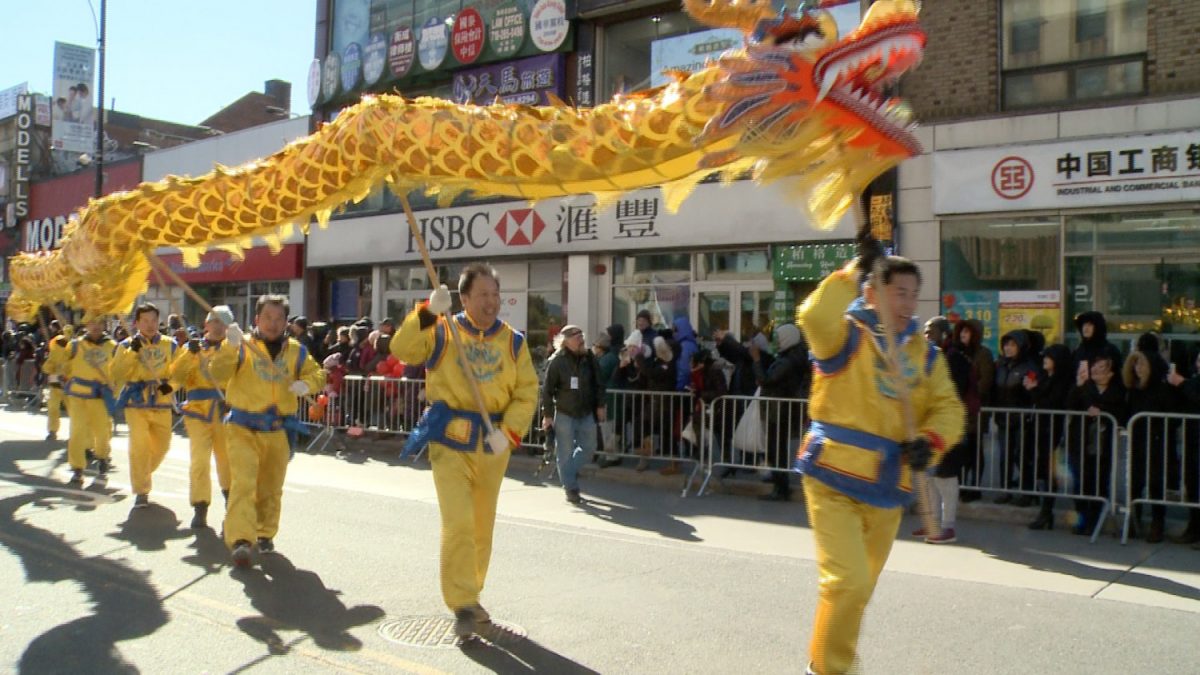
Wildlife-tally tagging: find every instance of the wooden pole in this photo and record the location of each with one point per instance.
(434, 283)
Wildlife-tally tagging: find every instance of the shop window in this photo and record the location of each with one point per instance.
(1059, 51)
(546, 309)
(1011, 254)
(626, 63)
(733, 265)
(652, 268)
(1139, 231)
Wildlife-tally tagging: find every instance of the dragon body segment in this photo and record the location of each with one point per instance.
(794, 104)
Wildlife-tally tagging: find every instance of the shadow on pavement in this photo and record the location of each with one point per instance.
(150, 529)
(211, 554)
(294, 599)
(501, 652)
(641, 519)
(124, 604)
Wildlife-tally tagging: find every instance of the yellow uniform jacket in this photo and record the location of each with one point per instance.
(140, 373)
(500, 359)
(857, 419)
(257, 393)
(86, 367)
(192, 373)
(56, 358)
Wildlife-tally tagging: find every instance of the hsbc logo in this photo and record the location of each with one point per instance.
(520, 227)
(1012, 178)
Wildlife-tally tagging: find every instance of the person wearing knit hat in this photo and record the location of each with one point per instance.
(644, 324)
(572, 404)
(785, 378)
(203, 414)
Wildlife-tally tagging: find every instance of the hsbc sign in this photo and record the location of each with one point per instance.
(1121, 170)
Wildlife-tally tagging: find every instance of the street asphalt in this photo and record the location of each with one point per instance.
(636, 580)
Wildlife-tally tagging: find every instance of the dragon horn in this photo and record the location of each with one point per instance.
(743, 15)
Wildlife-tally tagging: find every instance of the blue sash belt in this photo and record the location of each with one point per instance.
(135, 395)
(197, 395)
(432, 428)
(267, 420)
(883, 492)
(96, 389)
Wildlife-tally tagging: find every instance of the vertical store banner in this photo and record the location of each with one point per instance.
(72, 111)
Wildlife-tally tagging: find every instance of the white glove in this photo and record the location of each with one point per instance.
(233, 335)
(498, 441)
(224, 314)
(300, 388)
(439, 300)
(53, 379)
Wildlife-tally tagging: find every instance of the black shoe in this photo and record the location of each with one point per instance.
(76, 479)
(968, 496)
(89, 455)
(1024, 501)
(1003, 499)
(776, 496)
(1081, 529)
(1044, 521)
(265, 545)
(241, 554)
(464, 623)
(573, 496)
(225, 494)
(102, 467)
(141, 502)
(1155, 535)
(607, 463)
(727, 472)
(200, 517)
(52, 436)
(481, 614)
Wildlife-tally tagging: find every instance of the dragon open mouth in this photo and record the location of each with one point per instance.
(856, 74)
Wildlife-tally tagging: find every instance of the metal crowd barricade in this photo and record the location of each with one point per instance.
(730, 443)
(21, 384)
(1163, 467)
(649, 425)
(382, 405)
(1046, 453)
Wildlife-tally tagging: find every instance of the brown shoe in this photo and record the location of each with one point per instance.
(671, 469)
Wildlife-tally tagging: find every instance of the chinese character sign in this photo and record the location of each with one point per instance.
(525, 81)
(73, 115)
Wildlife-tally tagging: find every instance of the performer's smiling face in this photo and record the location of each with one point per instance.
(902, 290)
(482, 302)
(271, 321)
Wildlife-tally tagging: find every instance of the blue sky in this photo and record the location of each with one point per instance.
(176, 60)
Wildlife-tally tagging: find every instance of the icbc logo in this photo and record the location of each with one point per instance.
(520, 227)
(1012, 178)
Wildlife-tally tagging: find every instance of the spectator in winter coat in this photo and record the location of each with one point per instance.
(1097, 391)
(1050, 392)
(685, 338)
(1093, 341)
(1148, 446)
(968, 337)
(787, 377)
(1014, 369)
(644, 324)
(946, 474)
(1189, 392)
(607, 360)
(572, 403)
(660, 411)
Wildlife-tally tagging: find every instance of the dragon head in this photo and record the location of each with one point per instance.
(798, 102)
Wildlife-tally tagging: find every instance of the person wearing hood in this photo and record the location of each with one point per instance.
(659, 411)
(685, 340)
(572, 404)
(968, 337)
(644, 324)
(1049, 392)
(1093, 342)
(860, 453)
(1097, 391)
(742, 382)
(1014, 369)
(607, 360)
(788, 376)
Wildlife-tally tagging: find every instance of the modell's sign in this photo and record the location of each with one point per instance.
(19, 208)
(1148, 169)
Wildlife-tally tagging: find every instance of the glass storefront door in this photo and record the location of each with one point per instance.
(1141, 293)
(741, 309)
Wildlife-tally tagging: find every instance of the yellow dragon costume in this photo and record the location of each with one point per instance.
(796, 104)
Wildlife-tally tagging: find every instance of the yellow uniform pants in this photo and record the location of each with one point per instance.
(258, 464)
(468, 486)
(207, 440)
(853, 542)
(149, 440)
(54, 412)
(91, 427)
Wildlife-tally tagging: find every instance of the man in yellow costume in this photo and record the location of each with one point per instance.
(261, 393)
(142, 366)
(84, 369)
(203, 417)
(858, 456)
(468, 462)
(52, 369)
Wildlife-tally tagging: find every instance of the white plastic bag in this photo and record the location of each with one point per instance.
(750, 435)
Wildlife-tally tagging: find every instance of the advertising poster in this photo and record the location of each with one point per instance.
(689, 52)
(432, 43)
(982, 306)
(73, 113)
(8, 99)
(525, 81)
(1034, 310)
(514, 308)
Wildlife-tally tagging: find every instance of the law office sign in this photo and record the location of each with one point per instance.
(1148, 169)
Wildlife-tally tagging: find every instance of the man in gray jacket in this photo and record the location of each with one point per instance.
(572, 403)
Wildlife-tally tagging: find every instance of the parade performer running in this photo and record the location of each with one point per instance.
(468, 463)
(52, 369)
(141, 366)
(90, 401)
(203, 414)
(857, 458)
(261, 396)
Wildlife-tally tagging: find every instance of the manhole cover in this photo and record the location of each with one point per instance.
(437, 632)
